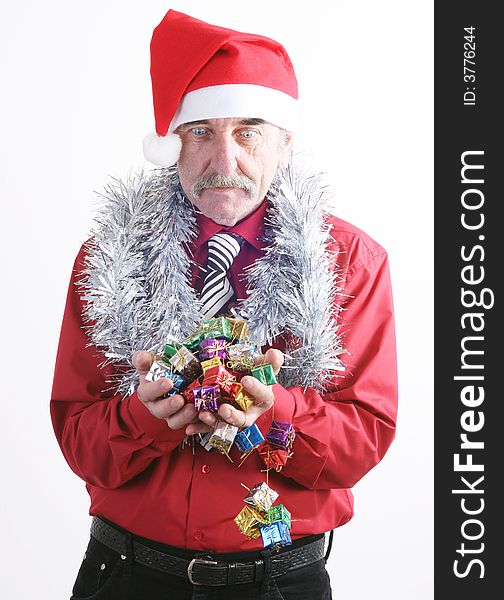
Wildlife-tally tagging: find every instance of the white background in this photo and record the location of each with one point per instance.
(75, 104)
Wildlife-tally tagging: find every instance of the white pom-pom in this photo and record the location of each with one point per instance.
(162, 151)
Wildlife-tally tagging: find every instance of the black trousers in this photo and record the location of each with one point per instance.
(104, 575)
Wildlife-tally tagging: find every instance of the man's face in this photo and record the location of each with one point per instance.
(226, 166)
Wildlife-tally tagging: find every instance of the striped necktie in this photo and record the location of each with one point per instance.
(223, 248)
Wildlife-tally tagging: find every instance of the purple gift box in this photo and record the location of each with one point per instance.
(206, 397)
(211, 348)
(281, 435)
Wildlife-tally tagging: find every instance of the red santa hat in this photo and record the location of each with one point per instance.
(201, 71)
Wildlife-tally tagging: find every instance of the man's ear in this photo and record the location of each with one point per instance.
(286, 150)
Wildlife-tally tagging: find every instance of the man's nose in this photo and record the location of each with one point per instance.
(224, 154)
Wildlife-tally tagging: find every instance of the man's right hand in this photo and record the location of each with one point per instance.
(176, 412)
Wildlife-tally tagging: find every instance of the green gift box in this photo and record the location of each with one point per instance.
(218, 327)
(278, 513)
(193, 341)
(264, 373)
(169, 351)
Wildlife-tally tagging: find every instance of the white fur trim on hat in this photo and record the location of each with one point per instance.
(239, 101)
(162, 151)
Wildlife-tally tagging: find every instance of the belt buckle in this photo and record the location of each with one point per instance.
(199, 561)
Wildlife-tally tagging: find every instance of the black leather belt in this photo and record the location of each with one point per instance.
(207, 569)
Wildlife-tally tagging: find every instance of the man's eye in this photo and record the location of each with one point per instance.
(249, 134)
(198, 131)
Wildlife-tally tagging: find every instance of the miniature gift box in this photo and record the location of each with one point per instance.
(169, 350)
(218, 375)
(241, 398)
(223, 436)
(249, 520)
(241, 356)
(249, 438)
(264, 373)
(205, 441)
(186, 363)
(193, 370)
(244, 401)
(193, 341)
(159, 370)
(278, 513)
(274, 458)
(179, 384)
(275, 533)
(235, 389)
(225, 380)
(239, 329)
(261, 496)
(211, 348)
(182, 358)
(281, 435)
(206, 397)
(218, 327)
(210, 363)
(188, 392)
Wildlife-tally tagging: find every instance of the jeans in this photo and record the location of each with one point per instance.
(104, 575)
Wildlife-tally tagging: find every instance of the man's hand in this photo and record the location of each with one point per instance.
(262, 395)
(176, 412)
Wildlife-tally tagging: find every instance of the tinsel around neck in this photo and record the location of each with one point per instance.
(136, 280)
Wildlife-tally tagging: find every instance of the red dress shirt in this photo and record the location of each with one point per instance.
(137, 476)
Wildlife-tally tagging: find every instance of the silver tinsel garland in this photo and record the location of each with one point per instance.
(136, 277)
(293, 287)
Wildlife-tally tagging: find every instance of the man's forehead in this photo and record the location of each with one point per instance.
(224, 121)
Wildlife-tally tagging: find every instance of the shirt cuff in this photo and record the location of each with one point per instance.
(282, 410)
(155, 428)
(306, 464)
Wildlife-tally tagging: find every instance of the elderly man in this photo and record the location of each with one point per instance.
(227, 228)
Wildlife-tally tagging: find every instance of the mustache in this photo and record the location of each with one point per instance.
(215, 180)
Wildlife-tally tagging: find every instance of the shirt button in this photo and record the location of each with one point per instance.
(198, 535)
(205, 469)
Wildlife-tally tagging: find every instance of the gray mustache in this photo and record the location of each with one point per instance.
(223, 181)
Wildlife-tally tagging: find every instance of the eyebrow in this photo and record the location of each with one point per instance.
(253, 121)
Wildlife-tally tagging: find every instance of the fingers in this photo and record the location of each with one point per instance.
(227, 413)
(183, 416)
(208, 418)
(162, 408)
(235, 417)
(263, 400)
(262, 394)
(198, 427)
(274, 357)
(175, 411)
(142, 361)
(148, 391)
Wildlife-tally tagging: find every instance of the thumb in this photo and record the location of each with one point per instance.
(142, 360)
(275, 358)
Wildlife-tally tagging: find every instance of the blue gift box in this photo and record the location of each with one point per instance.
(179, 384)
(249, 438)
(275, 533)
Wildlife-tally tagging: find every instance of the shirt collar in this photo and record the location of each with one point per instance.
(251, 228)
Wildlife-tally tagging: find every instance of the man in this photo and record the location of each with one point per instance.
(227, 207)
